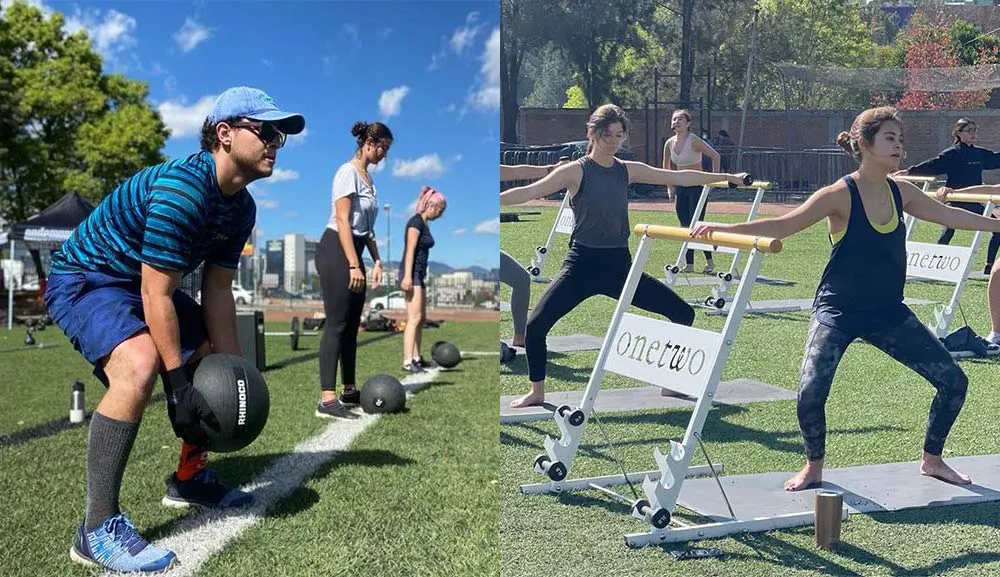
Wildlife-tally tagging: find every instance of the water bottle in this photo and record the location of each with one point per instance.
(76, 408)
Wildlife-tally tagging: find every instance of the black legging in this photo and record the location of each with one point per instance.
(947, 233)
(687, 201)
(343, 310)
(587, 272)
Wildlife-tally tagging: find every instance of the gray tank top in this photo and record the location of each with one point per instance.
(600, 206)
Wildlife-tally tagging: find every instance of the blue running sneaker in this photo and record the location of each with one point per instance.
(203, 490)
(116, 546)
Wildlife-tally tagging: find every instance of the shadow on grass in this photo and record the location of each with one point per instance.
(781, 554)
(56, 426)
(519, 366)
(305, 358)
(240, 470)
(717, 428)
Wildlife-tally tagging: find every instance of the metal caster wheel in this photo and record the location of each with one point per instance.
(555, 471)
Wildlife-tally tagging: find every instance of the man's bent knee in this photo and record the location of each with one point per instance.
(133, 366)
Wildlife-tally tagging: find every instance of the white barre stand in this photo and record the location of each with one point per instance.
(563, 225)
(947, 263)
(683, 359)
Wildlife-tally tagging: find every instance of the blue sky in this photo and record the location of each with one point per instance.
(429, 70)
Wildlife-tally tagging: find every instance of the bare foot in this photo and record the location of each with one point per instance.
(532, 398)
(811, 474)
(934, 466)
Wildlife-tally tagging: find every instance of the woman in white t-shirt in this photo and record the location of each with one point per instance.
(342, 271)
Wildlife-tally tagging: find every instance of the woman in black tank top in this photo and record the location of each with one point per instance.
(864, 213)
(599, 260)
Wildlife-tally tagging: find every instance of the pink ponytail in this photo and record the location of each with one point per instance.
(429, 195)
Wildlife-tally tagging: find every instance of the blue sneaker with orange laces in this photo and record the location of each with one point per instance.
(117, 546)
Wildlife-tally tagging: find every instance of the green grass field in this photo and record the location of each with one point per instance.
(876, 413)
(415, 494)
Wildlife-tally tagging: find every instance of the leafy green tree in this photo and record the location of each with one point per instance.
(66, 125)
(522, 31)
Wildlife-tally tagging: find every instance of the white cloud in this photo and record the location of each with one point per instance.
(267, 62)
(292, 214)
(373, 168)
(385, 32)
(427, 166)
(185, 120)
(435, 61)
(351, 32)
(4, 4)
(461, 231)
(463, 36)
(485, 95)
(489, 226)
(296, 139)
(262, 197)
(191, 34)
(282, 174)
(391, 100)
(412, 208)
(110, 35)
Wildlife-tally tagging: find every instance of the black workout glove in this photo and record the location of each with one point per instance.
(185, 405)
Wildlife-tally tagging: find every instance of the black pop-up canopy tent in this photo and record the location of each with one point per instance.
(51, 227)
(48, 229)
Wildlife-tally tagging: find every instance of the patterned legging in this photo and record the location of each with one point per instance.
(910, 343)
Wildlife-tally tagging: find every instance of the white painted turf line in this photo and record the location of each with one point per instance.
(197, 537)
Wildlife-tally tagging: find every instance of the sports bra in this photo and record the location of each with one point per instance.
(688, 154)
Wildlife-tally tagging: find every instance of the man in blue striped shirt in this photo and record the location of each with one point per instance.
(113, 289)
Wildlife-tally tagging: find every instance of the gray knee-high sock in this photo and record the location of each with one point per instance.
(108, 448)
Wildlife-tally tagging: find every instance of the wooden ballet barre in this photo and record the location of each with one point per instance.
(917, 178)
(966, 197)
(755, 185)
(728, 239)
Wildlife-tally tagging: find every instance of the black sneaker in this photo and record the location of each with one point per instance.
(203, 490)
(423, 363)
(412, 368)
(351, 397)
(988, 268)
(335, 410)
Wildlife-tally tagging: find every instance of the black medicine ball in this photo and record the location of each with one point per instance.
(237, 396)
(446, 355)
(383, 394)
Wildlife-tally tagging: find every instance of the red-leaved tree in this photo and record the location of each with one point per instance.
(929, 46)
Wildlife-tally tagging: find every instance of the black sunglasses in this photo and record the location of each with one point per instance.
(266, 131)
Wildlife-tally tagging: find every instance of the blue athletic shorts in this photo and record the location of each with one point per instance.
(98, 312)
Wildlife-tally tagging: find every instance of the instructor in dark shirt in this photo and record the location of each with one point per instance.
(963, 163)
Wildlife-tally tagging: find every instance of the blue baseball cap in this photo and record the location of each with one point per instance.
(246, 102)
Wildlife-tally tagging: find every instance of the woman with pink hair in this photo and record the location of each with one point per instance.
(413, 271)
